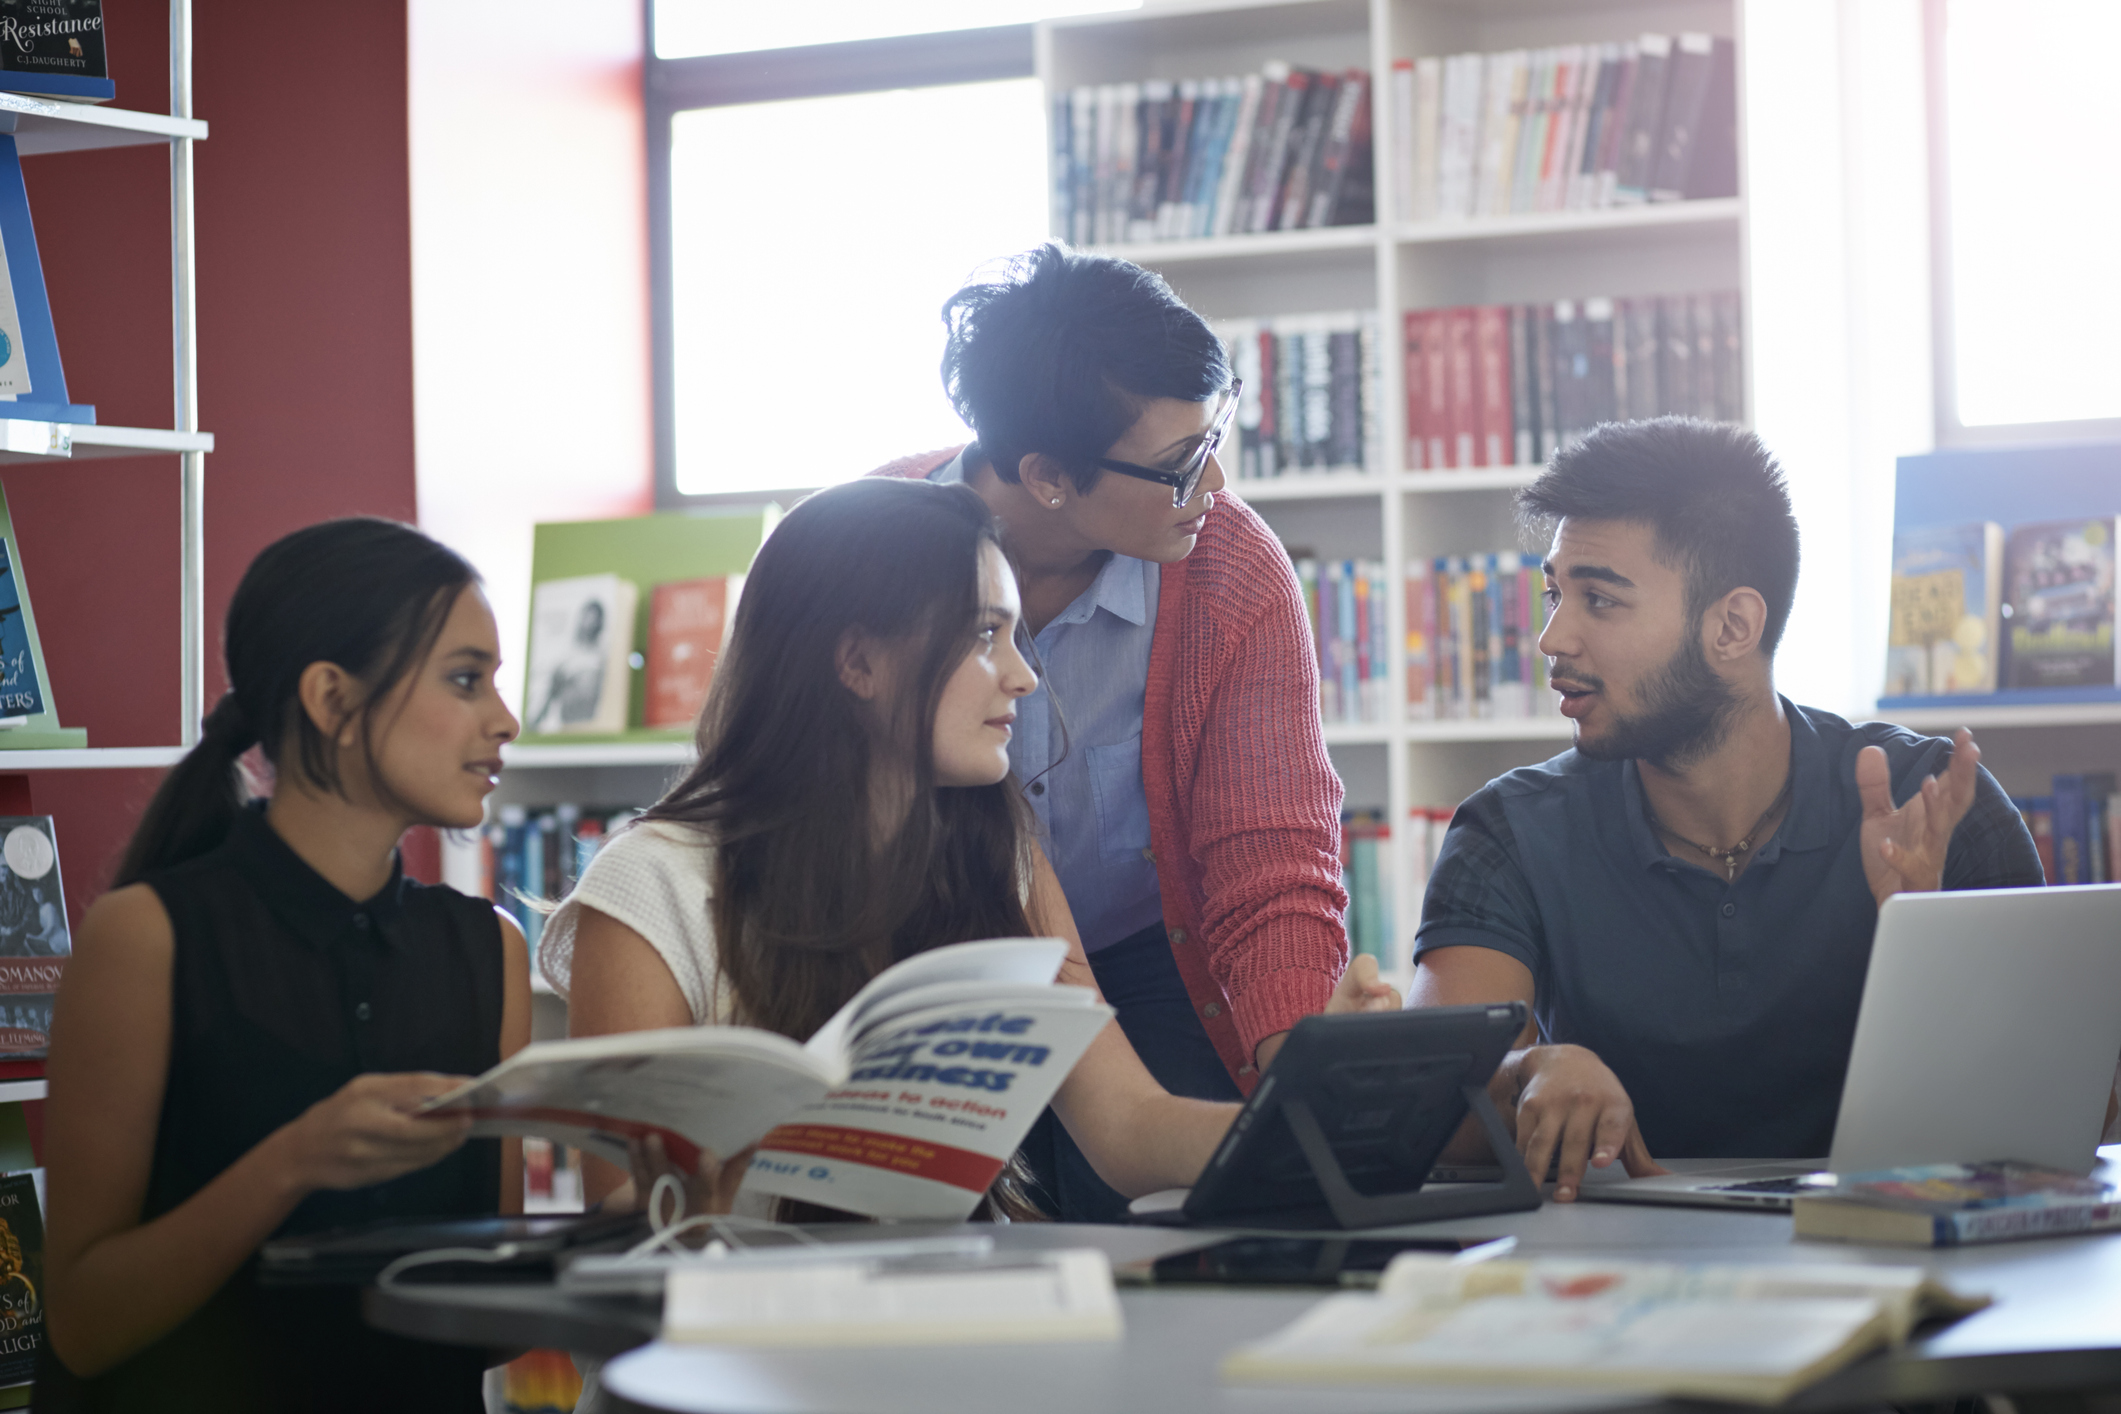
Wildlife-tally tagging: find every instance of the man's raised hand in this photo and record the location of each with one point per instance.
(1904, 849)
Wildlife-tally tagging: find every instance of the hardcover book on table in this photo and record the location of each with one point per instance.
(2058, 604)
(1946, 1205)
(34, 939)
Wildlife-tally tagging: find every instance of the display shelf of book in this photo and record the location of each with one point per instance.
(25, 440)
(40, 126)
(1575, 224)
(1664, 248)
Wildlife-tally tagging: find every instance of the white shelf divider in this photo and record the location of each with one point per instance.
(25, 440)
(1493, 729)
(1719, 210)
(2005, 716)
(94, 758)
(1252, 246)
(598, 753)
(13, 1092)
(1301, 486)
(41, 126)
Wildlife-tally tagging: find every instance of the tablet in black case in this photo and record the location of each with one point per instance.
(1345, 1124)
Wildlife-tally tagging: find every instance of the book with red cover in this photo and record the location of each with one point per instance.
(1495, 443)
(687, 620)
(1417, 333)
(1464, 402)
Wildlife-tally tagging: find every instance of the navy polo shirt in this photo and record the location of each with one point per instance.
(1726, 1009)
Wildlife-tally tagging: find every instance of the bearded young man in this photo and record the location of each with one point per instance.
(1686, 899)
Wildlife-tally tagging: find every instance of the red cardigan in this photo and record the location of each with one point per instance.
(1244, 806)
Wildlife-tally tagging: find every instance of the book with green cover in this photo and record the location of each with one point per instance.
(25, 685)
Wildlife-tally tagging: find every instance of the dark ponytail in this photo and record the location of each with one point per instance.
(369, 595)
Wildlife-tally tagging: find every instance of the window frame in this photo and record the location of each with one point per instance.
(1949, 431)
(674, 86)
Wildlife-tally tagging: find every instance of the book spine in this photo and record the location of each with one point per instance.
(1604, 381)
(2002, 1224)
(1496, 439)
(1524, 431)
(1274, 154)
(1421, 629)
(1638, 155)
(1465, 394)
(2072, 831)
(1613, 133)
(1083, 151)
(1436, 423)
(1061, 168)
(1692, 66)
(1178, 159)
(1306, 161)
(1714, 169)
(1502, 103)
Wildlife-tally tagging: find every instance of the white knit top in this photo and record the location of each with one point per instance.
(657, 878)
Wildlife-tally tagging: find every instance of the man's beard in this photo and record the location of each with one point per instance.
(1686, 712)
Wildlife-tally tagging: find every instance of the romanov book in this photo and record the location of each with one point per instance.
(34, 939)
(54, 49)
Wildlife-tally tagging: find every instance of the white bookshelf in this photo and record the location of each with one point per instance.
(1395, 266)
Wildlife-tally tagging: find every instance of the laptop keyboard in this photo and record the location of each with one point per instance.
(1793, 1184)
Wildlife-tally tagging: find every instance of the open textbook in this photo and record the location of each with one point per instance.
(905, 1104)
(1750, 1334)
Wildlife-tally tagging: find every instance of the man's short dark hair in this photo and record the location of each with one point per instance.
(1712, 493)
(1058, 353)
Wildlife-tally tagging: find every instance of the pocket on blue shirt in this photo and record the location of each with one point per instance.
(1122, 804)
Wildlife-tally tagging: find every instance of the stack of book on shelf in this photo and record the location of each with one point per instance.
(1572, 128)
(1473, 626)
(2076, 827)
(1503, 385)
(529, 859)
(1978, 607)
(1280, 150)
(1346, 600)
(1310, 399)
(1366, 871)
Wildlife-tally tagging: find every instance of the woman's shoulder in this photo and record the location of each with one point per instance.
(1238, 566)
(654, 847)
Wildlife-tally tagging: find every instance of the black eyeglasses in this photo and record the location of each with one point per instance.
(1185, 480)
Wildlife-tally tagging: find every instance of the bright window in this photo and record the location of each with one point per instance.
(813, 244)
(2035, 274)
(689, 27)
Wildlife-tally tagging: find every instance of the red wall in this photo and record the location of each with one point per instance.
(305, 356)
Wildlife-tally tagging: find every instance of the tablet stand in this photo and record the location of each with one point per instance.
(1515, 1193)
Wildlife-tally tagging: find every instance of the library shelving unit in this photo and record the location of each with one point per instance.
(1400, 515)
(41, 127)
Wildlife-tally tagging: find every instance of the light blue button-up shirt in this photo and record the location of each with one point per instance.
(1092, 811)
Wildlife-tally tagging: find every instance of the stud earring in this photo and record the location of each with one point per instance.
(1056, 500)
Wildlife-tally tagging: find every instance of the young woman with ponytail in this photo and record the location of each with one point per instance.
(253, 1012)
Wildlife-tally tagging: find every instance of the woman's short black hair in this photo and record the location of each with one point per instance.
(1711, 491)
(1058, 352)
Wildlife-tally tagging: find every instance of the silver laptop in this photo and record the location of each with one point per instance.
(1989, 1029)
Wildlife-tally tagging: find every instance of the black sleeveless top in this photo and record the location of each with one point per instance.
(284, 989)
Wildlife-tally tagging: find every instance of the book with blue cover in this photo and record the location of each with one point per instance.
(1947, 1205)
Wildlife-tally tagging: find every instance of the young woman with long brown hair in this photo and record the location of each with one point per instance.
(852, 805)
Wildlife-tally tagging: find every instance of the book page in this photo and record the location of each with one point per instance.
(1718, 1348)
(1034, 960)
(934, 1104)
(713, 1087)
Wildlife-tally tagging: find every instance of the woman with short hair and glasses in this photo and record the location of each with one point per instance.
(1172, 754)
